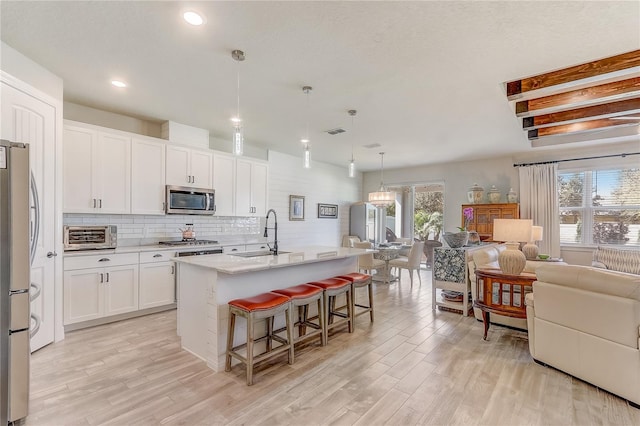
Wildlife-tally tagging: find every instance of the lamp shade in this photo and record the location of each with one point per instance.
(512, 230)
(536, 233)
(382, 198)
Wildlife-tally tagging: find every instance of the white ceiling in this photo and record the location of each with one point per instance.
(425, 77)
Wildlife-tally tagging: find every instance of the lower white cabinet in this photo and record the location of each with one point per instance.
(94, 290)
(157, 279)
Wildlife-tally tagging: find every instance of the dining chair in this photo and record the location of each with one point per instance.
(366, 262)
(412, 263)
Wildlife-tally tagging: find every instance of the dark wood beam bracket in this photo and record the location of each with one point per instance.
(583, 126)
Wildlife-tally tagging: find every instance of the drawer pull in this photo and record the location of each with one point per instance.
(101, 277)
(157, 255)
(104, 259)
(107, 277)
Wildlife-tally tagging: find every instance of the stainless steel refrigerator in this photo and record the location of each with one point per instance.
(14, 281)
(363, 222)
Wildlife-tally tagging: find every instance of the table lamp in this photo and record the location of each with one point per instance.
(513, 231)
(530, 249)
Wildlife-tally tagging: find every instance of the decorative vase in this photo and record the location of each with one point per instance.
(475, 194)
(512, 197)
(456, 239)
(474, 238)
(493, 195)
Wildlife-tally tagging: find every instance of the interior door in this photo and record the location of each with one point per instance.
(30, 120)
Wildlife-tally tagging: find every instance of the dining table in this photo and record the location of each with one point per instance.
(387, 253)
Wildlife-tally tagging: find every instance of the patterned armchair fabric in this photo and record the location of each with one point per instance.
(615, 259)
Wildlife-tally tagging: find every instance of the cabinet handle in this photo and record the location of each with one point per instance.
(173, 270)
(193, 179)
(157, 255)
(234, 249)
(100, 202)
(101, 277)
(107, 277)
(164, 206)
(104, 259)
(94, 203)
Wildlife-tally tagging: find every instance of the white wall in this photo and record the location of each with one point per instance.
(457, 178)
(24, 69)
(322, 183)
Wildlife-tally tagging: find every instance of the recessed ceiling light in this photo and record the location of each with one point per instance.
(193, 18)
(118, 83)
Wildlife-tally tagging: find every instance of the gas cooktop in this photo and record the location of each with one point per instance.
(188, 243)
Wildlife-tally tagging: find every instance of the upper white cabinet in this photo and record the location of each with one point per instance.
(224, 171)
(97, 170)
(189, 167)
(148, 162)
(251, 187)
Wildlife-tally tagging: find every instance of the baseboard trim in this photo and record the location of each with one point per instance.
(120, 317)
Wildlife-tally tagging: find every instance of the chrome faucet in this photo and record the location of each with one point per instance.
(273, 250)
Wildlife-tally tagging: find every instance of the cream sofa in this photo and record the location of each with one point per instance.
(487, 257)
(585, 321)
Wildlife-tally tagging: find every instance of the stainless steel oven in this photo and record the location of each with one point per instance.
(90, 237)
(186, 200)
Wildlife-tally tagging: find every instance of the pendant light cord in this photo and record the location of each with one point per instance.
(382, 171)
(238, 74)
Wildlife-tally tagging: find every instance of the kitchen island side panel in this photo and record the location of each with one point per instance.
(204, 293)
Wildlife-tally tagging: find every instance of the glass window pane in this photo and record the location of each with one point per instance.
(570, 227)
(570, 189)
(616, 187)
(620, 227)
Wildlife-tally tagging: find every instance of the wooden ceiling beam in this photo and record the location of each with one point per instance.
(617, 90)
(583, 126)
(614, 67)
(612, 109)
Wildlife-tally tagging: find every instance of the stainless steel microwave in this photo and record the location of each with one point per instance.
(186, 200)
(90, 237)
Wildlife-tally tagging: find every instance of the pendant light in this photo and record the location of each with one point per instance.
(306, 157)
(382, 197)
(352, 163)
(238, 131)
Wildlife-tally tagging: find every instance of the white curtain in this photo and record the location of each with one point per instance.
(539, 201)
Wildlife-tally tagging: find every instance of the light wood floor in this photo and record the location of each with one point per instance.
(410, 367)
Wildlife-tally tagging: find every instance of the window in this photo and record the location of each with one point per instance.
(600, 206)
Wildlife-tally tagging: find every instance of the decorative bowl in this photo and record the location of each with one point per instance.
(543, 256)
(456, 239)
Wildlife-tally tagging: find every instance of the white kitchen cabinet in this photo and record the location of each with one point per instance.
(251, 187)
(157, 279)
(93, 290)
(189, 167)
(224, 174)
(148, 163)
(238, 248)
(97, 170)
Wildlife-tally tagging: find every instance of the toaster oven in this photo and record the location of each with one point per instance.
(90, 237)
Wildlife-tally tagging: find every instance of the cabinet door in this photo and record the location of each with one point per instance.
(79, 154)
(201, 169)
(224, 183)
(157, 284)
(147, 176)
(178, 166)
(114, 173)
(243, 188)
(83, 289)
(259, 185)
(121, 289)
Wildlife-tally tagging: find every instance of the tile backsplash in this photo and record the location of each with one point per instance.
(142, 229)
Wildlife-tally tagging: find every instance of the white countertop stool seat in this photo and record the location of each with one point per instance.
(334, 287)
(302, 296)
(263, 306)
(359, 280)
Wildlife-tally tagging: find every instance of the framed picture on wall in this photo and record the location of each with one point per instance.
(327, 211)
(296, 207)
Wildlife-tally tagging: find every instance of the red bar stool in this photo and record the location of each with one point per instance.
(359, 280)
(263, 306)
(302, 296)
(334, 287)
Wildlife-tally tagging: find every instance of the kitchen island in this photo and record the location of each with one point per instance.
(207, 283)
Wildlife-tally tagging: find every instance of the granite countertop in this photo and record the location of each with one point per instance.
(230, 264)
(157, 247)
